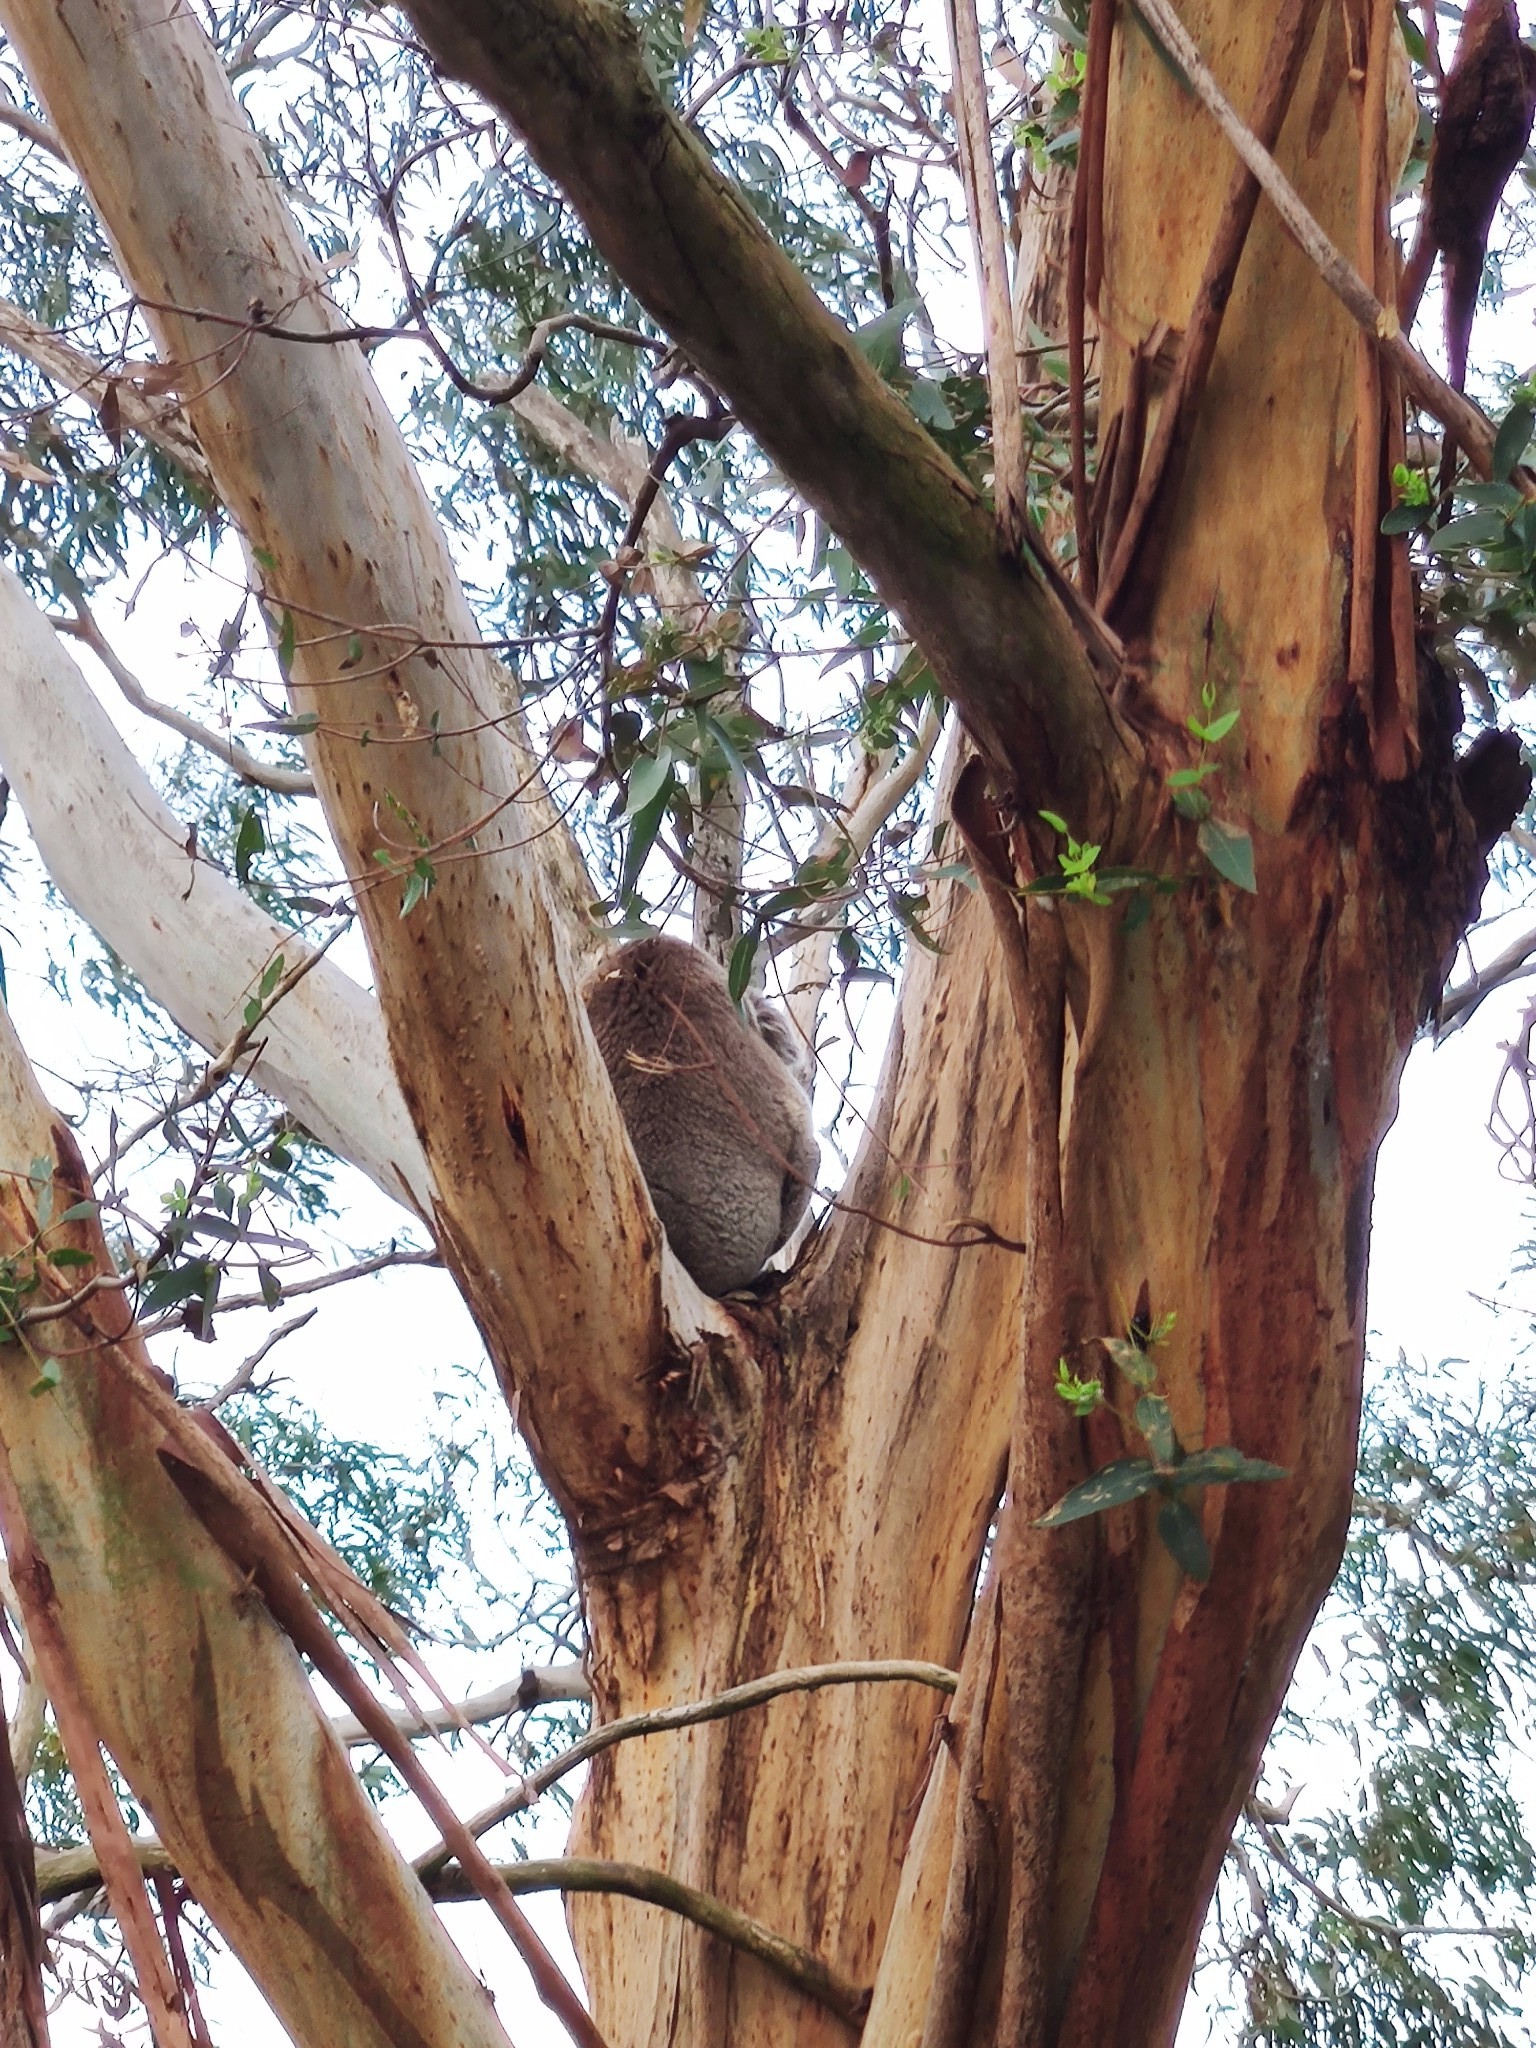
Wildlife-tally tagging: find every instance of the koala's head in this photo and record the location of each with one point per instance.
(777, 1031)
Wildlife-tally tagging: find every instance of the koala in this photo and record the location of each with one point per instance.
(716, 1104)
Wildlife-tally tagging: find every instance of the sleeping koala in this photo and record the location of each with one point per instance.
(715, 1101)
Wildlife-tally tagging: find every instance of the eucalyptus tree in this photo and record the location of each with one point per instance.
(1040, 1456)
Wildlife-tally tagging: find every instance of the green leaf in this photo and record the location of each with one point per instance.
(77, 1212)
(1512, 439)
(739, 975)
(67, 1255)
(1229, 850)
(287, 640)
(1404, 518)
(1218, 728)
(648, 779)
(1225, 1465)
(927, 400)
(1130, 1360)
(1191, 778)
(1472, 530)
(49, 1373)
(250, 840)
(880, 339)
(1056, 822)
(1155, 1421)
(1110, 1487)
(1184, 1539)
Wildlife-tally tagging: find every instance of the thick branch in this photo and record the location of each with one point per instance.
(158, 420)
(570, 75)
(119, 855)
(541, 1685)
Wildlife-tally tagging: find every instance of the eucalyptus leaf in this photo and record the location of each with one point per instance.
(1184, 1539)
(1225, 1465)
(1111, 1486)
(1229, 850)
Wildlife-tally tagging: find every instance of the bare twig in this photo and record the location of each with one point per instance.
(33, 130)
(223, 1064)
(876, 785)
(973, 129)
(1458, 1004)
(755, 1693)
(1468, 422)
(265, 774)
(245, 1372)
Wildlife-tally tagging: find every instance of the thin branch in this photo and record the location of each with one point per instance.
(266, 775)
(223, 1064)
(33, 130)
(1458, 1004)
(64, 1873)
(755, 1693)
(245, 1372)
(1468, 422)
(540, 1685)
(381, 1262)
(876, 785)
(1368, 1923)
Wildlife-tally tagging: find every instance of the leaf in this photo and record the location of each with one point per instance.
(1184, 1539)
(287, 640)
(78, 1212)
(1405, 518)
(648, 780)
(67, 1255)
(1130, 1360)
(1055, 820)
(1155, 1421)
(49, 1373)
(880, 339)
(739, 975)
(1110, 1487)
(927, 400)
(1218, 728)
(1229, 850)
(250, 840)
(1472, 530)
(1225, 1465)
(1512, 439)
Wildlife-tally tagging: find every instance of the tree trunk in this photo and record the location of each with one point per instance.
(1177, 1118)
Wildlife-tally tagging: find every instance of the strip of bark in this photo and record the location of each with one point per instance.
(1085, 264)
(569, 74)
(1130, 578)
(1471, 426)
(23, 2007)
(973, 130)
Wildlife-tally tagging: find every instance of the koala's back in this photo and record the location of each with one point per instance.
(720, 1125)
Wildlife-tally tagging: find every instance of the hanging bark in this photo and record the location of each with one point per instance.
(210, 1717)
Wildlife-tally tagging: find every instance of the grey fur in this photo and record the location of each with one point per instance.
(716, 1111)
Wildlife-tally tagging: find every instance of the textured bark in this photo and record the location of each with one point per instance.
(211, 1717)
(813, 1478)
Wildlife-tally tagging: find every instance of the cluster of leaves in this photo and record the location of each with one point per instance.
(1167, 1470)
(1402, 1917)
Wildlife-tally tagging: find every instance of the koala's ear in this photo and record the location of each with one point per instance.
(778, 1033)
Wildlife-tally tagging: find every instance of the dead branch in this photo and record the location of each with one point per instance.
(81, 374)
(540, 1685)
(66, 1873)
(756, 1692)
(1458, 1004)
